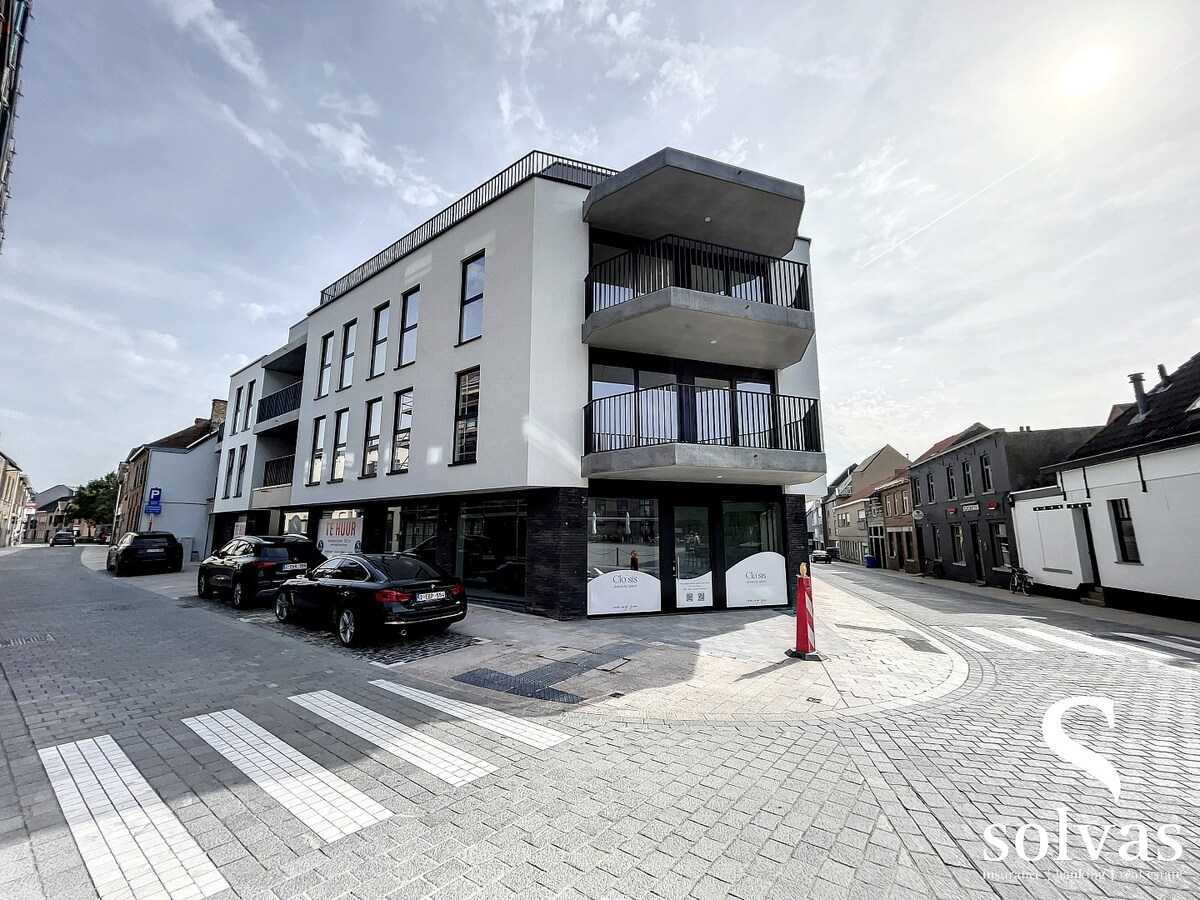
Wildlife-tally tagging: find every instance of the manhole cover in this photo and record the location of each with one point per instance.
(27, 639)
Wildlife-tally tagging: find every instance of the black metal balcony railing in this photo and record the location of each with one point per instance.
(536, 163)
(686, 414)
(682, 262)
(278, 471)
(280, 402)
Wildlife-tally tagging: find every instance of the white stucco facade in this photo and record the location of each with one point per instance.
(185, 478)
(1051, 538)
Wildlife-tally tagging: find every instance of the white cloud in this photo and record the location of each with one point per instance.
(265, 141)
(352, 147)
(225, 36)
(362, 105)
(735, 151)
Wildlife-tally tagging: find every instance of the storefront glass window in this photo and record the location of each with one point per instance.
(751, 528)
(491, 547)
(412, 529)
(295, 522)
(622, 534)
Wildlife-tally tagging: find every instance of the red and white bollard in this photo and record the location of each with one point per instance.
(806, 632)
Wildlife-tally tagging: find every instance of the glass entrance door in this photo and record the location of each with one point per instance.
(693, 558)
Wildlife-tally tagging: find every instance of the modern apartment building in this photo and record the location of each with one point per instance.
(585, 391)
(14, 19)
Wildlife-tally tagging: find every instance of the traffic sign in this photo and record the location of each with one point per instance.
(154, 502)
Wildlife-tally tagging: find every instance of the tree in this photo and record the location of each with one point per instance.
(96, 501)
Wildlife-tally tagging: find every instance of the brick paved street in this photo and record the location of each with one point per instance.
(158, 745)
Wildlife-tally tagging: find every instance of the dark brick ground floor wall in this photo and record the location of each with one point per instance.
(555, 575)
(795, 536)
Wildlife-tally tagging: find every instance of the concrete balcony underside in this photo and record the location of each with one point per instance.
(692, 324)
(706, 463)
(268, 425)
(271, 497)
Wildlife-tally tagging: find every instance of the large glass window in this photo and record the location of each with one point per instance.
(1001, 555)
(379, 330)
(490, 555)
(237, 411)
(316, 466)
(326, 365)
(349, 336)
(249, 406)
(408, 327)
(622, 534)
(1123, 524)
(612, 419)
(340, 424)
(956, 542)
(658, 408)
(466, 417)
(241, 470)
(471, 316)
(412, 529)
(755, 527)
(754, 425)
(371, 437)
(228, 473)
(402, 431)
(295, 522)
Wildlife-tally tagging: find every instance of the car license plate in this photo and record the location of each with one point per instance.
(294, 567)
(431, 596)
(156, 551)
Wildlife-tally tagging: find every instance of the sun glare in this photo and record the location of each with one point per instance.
(1088, 71)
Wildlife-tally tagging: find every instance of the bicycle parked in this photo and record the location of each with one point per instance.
(1020, 581)
(933, 569)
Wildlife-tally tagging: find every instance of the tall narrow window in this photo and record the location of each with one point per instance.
(968, 480)
(888, 503)
(316, 468)
(916, 490)
(237, 412)
(349, 335)
(408, 327)
(241, 470)
(466, 417)
(379, 332)
(371, 440)
(1126, 539)
(337, 470)
(929, 484)
(326, 365)
(249, 405)
(951, 486)
(228, 474)
(1000, 551)
(956, 543)
(907, 508)
(402, 430)
(985, 469)
(471, 316)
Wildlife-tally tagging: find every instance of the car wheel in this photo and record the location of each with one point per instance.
(203, 591)
(239, 599)
(348, 632)
(118, 569)
(283, 606)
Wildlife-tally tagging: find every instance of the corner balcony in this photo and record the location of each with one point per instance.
(279, 408)
(681, 297)
(682, 432)
(276, 488)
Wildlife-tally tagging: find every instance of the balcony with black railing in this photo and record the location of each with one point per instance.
(278, 471)
(682, 297)
(681, 432)
(279, 408)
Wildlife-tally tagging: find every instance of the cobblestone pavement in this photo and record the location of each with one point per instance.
(156, 745)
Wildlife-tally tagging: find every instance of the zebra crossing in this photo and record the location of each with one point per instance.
(1044, 638)
(135, 848)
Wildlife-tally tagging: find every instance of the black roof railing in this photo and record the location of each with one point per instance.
(534, 164)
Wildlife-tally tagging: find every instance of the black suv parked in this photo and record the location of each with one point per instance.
(253, 567)
(143, 550)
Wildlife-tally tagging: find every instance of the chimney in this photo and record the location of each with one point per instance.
(1139, 392)
(218, 411)
(1164, 380)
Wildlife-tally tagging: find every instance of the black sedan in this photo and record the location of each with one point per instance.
(63, 539)
(361, 596)
(253, 567)
(145, 550)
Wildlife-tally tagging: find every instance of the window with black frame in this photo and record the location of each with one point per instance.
(402, 431)
(466, 417)
(316, 466)
(409, 318)
(326, 365)
(470, 324)
(338, 470)
(379, 330)
(371, 437)
(349, 336)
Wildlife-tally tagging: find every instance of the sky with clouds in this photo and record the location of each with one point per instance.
(987, 244)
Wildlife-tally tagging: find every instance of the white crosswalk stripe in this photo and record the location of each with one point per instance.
(130, 841)
(965, 641)
(529, 733)
(991, 635)
(314, 795)
(438, 759)
(1067, 642)
(1186, 648)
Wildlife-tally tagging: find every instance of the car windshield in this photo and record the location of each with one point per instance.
(151, 542)
(406, 568)
(64, 534)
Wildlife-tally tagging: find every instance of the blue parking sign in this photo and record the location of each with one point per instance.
(154, 502)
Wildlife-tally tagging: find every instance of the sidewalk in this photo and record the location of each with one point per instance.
(1046, 604)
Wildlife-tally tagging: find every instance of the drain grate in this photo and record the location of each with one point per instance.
(27, 639)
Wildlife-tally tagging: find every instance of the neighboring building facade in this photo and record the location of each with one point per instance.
(182, 466)
(847, 508)
(50, 515)
(1125, 521)
(961, 494)
(900, 543)
(584, 391)
(15, 492)
(14, 19)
